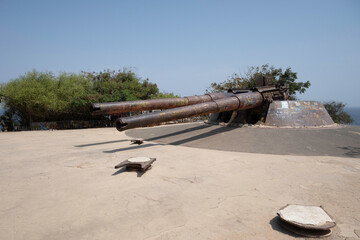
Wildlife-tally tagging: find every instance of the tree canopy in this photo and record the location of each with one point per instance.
(247, 80)
(43, 96)
(337, 113)
(38, 96)
(111, 86)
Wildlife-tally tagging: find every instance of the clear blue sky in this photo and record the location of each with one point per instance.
(183, 46)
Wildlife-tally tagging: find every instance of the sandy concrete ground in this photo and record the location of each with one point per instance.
(62, 185)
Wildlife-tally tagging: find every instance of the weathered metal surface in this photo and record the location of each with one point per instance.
(309, 217)
(269, 93)
(309, 221)
(263, 81)
(236, 102)
(164, 116)
(178, 108)
(137, 141)
(143, 105)
(137, 163)
(249, 100)
(297, 114)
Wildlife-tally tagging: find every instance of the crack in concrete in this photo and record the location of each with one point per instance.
(165, 231)
(226, 198)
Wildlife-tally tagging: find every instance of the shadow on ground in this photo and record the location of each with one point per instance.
(122, 170)
(338, 141)
(203, 135)
(101, 143)
(189, 130)
(275, 225)
(351, 151)
(132, 148)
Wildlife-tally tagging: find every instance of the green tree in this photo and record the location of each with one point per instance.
(247, 80)
(42, 96)
(38, 96)
(30, 95)
(122, 85)
(165, 95)
(337, 113)
(74, 93)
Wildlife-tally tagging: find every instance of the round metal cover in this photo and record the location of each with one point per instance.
(139, 159)
(308, 217)
(306, 232)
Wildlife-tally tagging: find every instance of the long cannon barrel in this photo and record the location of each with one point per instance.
(240, 101)
(142, 105)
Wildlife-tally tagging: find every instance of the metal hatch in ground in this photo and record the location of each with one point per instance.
(297, 114)
(136, 163)
(309, 221)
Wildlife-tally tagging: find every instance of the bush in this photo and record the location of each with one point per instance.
(42, 96)
(247, 80)
(337, 113)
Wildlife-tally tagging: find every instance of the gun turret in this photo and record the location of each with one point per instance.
(179, 108)
(239, 101)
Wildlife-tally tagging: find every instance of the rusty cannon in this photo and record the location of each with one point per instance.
(144, 105)
(232, 103)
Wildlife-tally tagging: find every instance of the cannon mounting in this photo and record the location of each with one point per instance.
(179, 108)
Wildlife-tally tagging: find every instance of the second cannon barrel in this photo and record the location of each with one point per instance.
(235, 102)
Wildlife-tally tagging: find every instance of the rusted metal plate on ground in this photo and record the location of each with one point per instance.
(137, 141)
(137, 163)
(297, 114)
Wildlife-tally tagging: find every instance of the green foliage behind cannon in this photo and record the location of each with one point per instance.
(248, 80)
(43, 96)
(337, 112)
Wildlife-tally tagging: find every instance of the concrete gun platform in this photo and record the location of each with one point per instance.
(341, 141)
(63, 185)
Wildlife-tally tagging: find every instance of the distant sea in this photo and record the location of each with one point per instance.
(354, 112)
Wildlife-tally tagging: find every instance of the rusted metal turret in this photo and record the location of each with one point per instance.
(179, 108)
